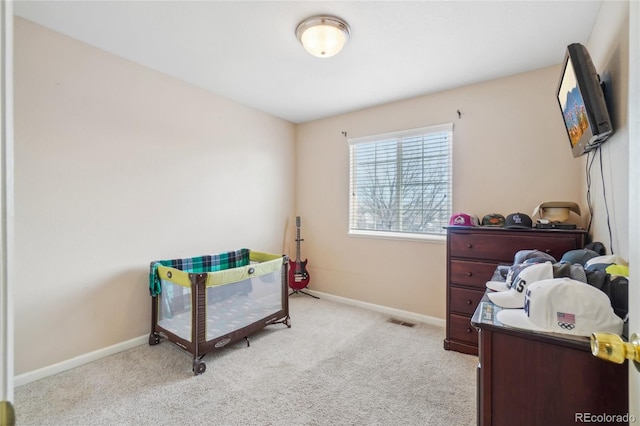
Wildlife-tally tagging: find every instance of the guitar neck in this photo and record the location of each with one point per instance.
(298, 239)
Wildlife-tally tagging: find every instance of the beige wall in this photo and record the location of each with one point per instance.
(509, 154)
(609, 50)
(115, 166)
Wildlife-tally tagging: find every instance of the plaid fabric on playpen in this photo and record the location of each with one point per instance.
(206, 263)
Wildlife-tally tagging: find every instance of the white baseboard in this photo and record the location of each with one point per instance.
(50, 370)
(396, 313)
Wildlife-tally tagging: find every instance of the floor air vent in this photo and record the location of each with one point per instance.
(399, 322)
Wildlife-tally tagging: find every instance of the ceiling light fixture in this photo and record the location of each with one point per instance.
(323, 36)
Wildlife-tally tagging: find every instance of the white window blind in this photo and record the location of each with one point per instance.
(401, 182)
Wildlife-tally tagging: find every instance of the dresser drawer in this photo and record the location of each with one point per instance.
(474, 274)
(463, 300)
(460, 329)
(502, 247)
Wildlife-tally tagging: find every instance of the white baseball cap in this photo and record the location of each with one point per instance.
(566, 306)
(497, 285)
(514, 297)
(512, 273)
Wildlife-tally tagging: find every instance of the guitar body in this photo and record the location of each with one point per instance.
(298, 275)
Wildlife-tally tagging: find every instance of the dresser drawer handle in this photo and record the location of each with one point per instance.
(469, 245)
(469, 274)
(469, 330)
(469, 302)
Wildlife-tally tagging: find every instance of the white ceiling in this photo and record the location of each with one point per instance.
(247, 50)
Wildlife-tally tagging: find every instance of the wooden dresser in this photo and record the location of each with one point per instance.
(529, 378)
(472, 256)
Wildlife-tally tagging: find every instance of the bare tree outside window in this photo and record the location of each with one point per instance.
(401, 183)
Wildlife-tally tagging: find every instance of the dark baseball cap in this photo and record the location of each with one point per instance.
(518, 221)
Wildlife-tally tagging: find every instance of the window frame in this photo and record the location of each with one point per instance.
(385, 137)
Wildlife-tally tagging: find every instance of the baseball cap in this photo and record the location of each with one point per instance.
(463, 219)
(566, 306)
(579, 256)
(514, 297)
(560, 270)
(493, 219)
(497, 285)
(518, 221)
(573, 271)
(513, 271)
(522, 256)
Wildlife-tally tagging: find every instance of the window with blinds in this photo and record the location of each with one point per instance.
(401, 182)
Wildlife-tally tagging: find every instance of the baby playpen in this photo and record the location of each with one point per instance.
(204, 303)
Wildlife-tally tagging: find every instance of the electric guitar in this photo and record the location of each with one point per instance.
(298, 275)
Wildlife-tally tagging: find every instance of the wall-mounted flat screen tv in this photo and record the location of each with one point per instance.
(582, 102)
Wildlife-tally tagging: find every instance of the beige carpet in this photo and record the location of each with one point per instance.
(337, 365)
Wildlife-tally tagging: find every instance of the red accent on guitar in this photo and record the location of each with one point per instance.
(298, 275)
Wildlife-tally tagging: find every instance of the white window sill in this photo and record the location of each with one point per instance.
(426, 238)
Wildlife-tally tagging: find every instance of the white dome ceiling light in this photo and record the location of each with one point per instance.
(323, 36)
